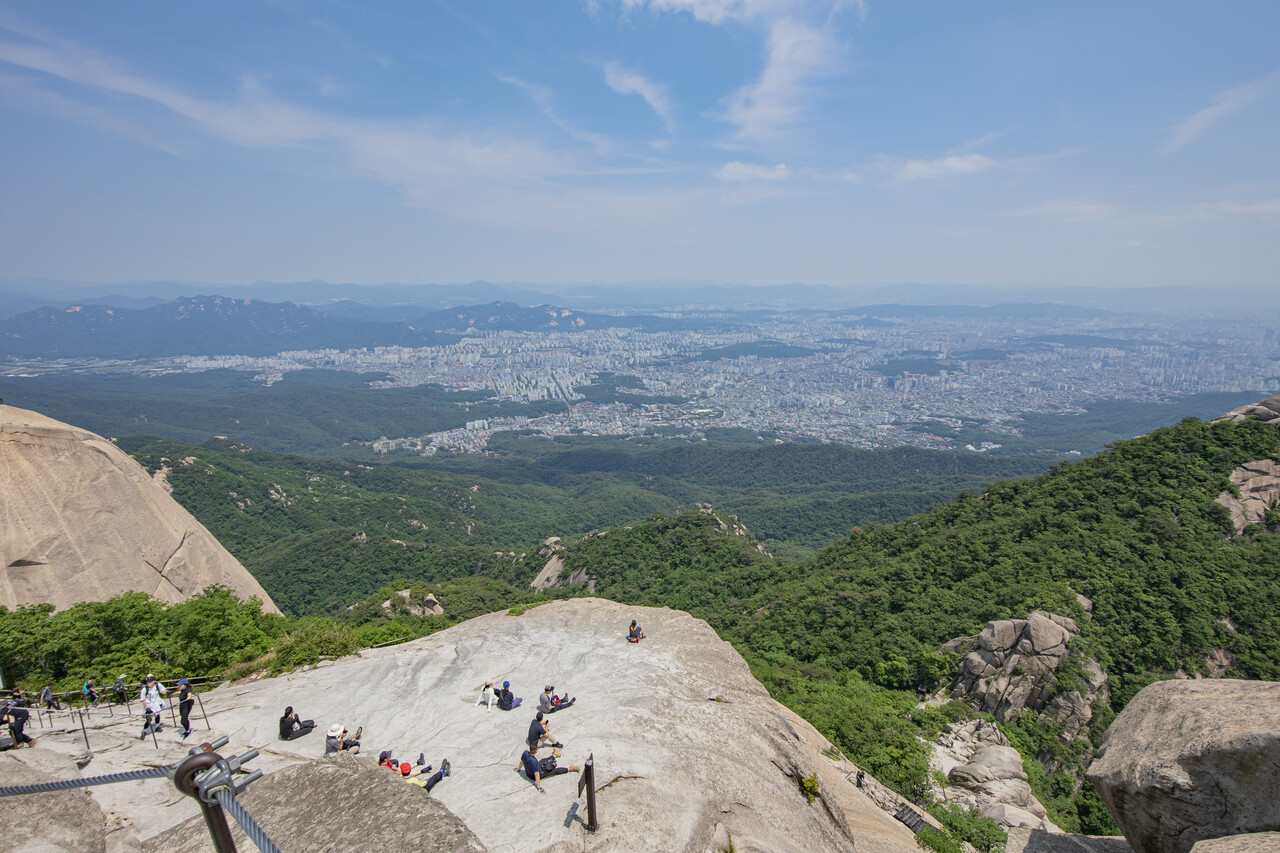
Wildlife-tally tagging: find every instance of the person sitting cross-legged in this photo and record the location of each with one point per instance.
(635, 634)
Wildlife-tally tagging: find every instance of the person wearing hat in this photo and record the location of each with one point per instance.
(488, 695)
(508, 701)
(636, 633)
(152, 697)
(185, 701)
(291, 727)
(413, 775)
(550, 703)
(119, 689)
(336, 740)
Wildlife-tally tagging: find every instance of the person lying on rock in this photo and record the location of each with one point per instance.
(336, 740)
(540, 731)
(536, 769)
(507, 700)
(550, 703)
(291, 727)
(488, 695)
(636, 634)
(414, 775)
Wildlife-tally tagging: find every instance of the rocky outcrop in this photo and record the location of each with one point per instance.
(1253, 842)
(427, 605)
(1193, 760)
(81, 521)
(985, 773)
(691, 752)
(1258, 485)
(1267, 411)
(551, 574)
(1013, 664)
(354, 806)
(55, 821)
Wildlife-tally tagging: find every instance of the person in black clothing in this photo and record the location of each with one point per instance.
(16, 715)
(185, 701)
(537, 770)
(119, 689)
(506, 699)
(291, 727)
(538, 732)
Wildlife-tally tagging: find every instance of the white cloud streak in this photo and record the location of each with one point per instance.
(943, 167)
(626, 82)
(742, 172)
(1224, 104)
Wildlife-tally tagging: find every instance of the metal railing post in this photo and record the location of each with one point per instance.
(588, 780)
(202, 713)
(214, 817)
(85, 732)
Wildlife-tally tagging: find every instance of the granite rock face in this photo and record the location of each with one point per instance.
(1012, 665)
(81, 521)
(1268, 411)
(50, 822)
(1188, 761)
(691, 752)
(1259, 485)
(336, 803)
(1253, 842)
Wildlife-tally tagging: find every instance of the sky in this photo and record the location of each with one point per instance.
(833, 142)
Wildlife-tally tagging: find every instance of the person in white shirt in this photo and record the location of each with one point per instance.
(152, 698)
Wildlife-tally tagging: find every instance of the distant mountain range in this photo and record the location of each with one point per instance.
(202, 325)
(402, 302)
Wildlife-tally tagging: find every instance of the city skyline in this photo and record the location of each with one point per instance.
(752, 141)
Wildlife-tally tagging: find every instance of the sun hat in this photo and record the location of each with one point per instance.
(336, 730)
(383, 756)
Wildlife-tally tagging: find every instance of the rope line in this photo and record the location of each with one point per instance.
(65, 784)
(250, 826)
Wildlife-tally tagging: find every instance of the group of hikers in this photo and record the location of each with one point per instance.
(339, 739)
(15, 712)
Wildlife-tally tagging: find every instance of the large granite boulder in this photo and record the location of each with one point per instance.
(995, 783)
(82, 521)
(1193, 760)
(1012, 665)
(336, 803)
(1253, 842)
(49, 822)
(1258, 484)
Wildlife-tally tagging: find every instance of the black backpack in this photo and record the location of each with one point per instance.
(547, 764)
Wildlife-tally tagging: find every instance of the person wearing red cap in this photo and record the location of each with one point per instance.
(413, 775)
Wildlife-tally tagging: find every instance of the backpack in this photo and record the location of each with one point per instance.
(547, 764)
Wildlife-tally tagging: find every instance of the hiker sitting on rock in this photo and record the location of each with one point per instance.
(488, 695)
(291, 727)
(413, 775)
(536, 769)
(506, 699)
(636, 634)
(336, 740)
(550, 703)
(540, 731)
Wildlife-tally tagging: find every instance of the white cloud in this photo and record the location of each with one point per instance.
(943, 167)
(797, 54)
(545, 101)
(626, 82)
(739, 171)
(1071, 211)
(1224, 104)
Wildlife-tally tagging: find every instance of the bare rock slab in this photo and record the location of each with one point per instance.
(49, 822)
(336, 803)
(1193, 760)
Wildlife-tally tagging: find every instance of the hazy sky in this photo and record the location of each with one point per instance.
(756, 141)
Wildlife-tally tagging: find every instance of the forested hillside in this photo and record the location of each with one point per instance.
(320, 534)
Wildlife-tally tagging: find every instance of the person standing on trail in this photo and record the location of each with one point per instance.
(185, 701)
(152, 697)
